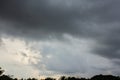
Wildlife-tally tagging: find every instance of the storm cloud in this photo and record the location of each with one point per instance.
(81, 19)
(49, 17)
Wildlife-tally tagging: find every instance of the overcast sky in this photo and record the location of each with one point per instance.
(54, 37)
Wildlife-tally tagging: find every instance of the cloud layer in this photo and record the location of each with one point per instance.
(96, 21)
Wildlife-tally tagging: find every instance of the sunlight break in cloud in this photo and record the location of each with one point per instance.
(17, 54)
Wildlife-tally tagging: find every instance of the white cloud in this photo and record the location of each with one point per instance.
(17, 57)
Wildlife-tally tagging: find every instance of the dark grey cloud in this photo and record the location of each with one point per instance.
(35, 18)
(44, 17)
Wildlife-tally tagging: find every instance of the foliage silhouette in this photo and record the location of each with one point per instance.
(1, 71)
(5, 77)
(71, 78)
(62, 78)
(31, 79)
(50, 78)
(105, 77)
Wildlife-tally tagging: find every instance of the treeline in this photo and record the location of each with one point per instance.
(97, 77)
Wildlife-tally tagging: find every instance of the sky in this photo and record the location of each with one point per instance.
(59, 37)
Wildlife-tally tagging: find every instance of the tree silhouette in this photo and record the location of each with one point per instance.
(5, 77)
(71, 78)
(105, 77)
(1, 71)
(62, 78)
(49, 78)
(31, 79)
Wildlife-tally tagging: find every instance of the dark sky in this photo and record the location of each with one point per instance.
(62, 25)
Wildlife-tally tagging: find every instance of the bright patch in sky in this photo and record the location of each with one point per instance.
(16, 55)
